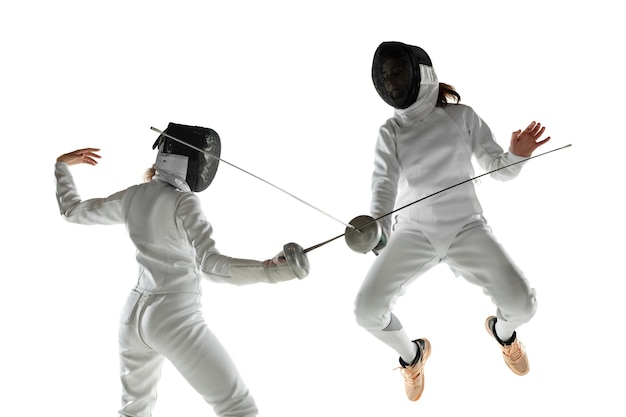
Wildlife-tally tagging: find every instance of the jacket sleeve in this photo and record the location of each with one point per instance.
(215, 266)
(488, 153)
(103, 211)
(385, 177)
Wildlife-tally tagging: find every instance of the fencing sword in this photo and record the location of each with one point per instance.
(251, 174)
(362, 234)
(293, 253)
(370, 228)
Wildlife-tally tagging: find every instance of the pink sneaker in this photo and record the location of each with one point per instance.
(414, 373)
(513, 353)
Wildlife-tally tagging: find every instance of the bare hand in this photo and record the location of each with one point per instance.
(524, 143)
(80, 156)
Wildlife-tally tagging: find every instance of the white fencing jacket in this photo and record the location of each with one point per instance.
(423, 149)
(172, 236)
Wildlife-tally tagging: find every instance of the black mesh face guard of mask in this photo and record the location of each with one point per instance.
(202, 165)
(396, 72)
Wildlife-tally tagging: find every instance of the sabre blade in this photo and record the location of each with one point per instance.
(322, 244)
(471, 179)
(435, 193)
(252, 175)
(354, 229)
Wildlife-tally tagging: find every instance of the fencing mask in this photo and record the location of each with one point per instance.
(193, 166)
(396, 72)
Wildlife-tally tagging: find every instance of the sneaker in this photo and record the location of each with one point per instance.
(414, 373)
(513, 352)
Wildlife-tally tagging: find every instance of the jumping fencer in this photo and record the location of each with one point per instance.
(426, 146)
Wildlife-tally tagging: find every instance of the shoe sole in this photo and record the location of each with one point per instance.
(488, 327)
(425, 350)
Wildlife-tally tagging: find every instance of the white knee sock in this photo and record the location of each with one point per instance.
(399, 341)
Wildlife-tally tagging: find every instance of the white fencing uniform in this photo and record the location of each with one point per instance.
(423, 149)
(162, 318)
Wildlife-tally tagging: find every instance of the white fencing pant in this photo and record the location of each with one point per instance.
(474, 253)
(171, 326)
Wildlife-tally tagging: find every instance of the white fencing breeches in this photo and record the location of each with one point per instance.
(475, 254)
(171, 326)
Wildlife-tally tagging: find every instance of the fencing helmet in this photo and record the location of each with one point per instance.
(191, 161)
(396, 72)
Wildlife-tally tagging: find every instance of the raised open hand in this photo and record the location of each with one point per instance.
(524, 143)
(80, 156)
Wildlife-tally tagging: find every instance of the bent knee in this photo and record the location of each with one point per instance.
(529, 307)
(369, 314)
(523, 308)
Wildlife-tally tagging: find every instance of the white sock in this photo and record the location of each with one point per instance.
(504, 332)
(399, 341)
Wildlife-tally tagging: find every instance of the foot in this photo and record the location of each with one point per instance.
(414, 373)
(513, 350)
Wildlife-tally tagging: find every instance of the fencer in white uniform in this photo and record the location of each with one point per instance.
(427, 146)
(162, 318)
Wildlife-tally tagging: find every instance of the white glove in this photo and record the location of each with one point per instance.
(277, 260)
(272, 271)
(382, 243)
(278, 269)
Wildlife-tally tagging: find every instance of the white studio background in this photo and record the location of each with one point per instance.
(287, 86)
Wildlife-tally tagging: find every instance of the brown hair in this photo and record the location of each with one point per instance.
(147, 177)
(446, 92)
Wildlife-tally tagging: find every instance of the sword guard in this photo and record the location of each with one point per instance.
(296, 259)
(365, 234)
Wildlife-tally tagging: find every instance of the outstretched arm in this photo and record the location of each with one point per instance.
(107, 210)
(524, 143)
